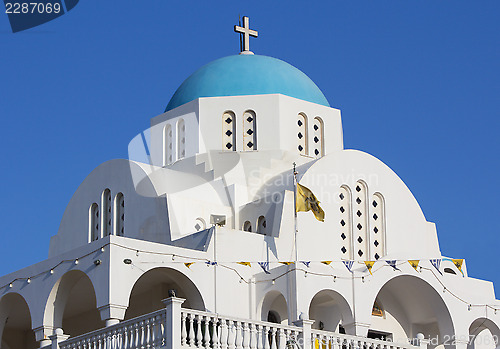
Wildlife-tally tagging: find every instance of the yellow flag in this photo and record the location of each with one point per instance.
(369, 265)
(414, 263)
(245, 263)
(458, 263)
(306, 201)
(286, 263)
(327, 262)
(189, 264)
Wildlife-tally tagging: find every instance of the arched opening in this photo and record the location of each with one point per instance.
(345, 222)
(181, 139)
(72, 305)
(412, 306)
(483, 334)
(249, 130)
(274, 308)
(106, 212)
(94, 222)
(302, 134)
(262, 225)
(229, 131)
(247, 226)
(167, 145)
(119, 214)
(15, 323)
(377, 226)
(330, 311)
(155, 285)
(319, 146)
(360, 222)
(199, 224)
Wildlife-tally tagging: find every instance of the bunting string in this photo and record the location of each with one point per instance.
(370, 266)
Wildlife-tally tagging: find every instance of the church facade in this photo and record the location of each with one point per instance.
(195, 241)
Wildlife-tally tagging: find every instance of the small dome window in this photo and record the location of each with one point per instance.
(247, 226)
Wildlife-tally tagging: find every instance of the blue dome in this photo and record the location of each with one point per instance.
(247, 75)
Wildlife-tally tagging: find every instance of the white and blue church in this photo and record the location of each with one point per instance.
(194, 241)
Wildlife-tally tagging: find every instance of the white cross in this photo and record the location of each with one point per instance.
(247, 33)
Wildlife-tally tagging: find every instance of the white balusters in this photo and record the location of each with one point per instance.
(260, 340)
(216, 334)
(224, 334)
(253, 336)
(246, 336)
(183, 329)
(199, 336)
(273, 338)
(266, 337)
(239, 335)
(191, 335)
(231, 338)
(206, 337)
(282, 338)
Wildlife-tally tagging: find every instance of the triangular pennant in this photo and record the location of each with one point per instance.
(392, 263)
(414, 263)
(436, 263)
(286, 263)
(326, 262)
(188, 265)
(348, 265)
(265, 267)
(306, 263)
(458, 263)
(245, 263)
(369, 266)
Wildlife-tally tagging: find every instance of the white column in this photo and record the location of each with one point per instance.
(173, 322)
(42, 334)
(305, 335)
(57, 338)
(112, 314)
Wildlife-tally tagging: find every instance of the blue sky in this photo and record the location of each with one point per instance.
(417, 83)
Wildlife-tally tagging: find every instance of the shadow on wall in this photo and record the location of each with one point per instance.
(154, 285)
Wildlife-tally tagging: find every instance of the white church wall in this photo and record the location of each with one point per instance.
(147, 218)
(189, 114)
(408, 234)
(290, 107)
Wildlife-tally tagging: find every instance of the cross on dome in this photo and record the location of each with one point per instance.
(247, 32)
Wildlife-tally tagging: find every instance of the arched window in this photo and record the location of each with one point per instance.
(262, 225)
(360, 221)
(200, 224)
(377, 226)
(319, 147)
(249, 130)
(229, 131)
(449, 271)
(302, 134)
(119, 217)
(94, 222)
(247, 226)
(167, 145)
(106, 212)
(345, 222)
(181, 139)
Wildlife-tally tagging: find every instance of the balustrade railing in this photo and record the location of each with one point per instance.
(206, 331)
(147, 331)
(177, 328)
(331, 340)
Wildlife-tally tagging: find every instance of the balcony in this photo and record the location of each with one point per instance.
(174, 327)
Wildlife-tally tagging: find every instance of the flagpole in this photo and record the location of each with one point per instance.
(295, 212)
